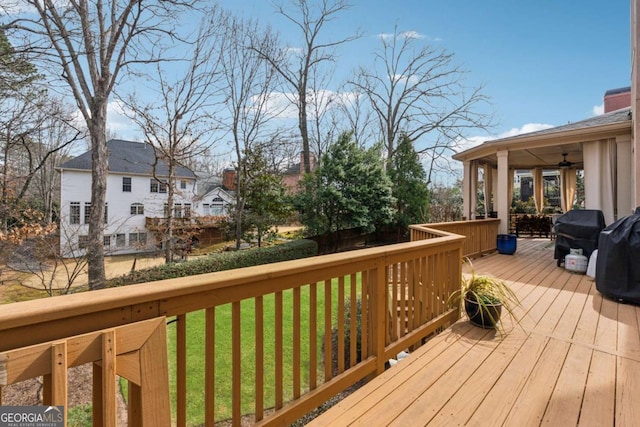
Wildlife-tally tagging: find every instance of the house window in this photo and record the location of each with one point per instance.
(74, 213)
(177, 210)
(126, 184)
(158, 186)
(183, 185)
(187, 210)
(217, 206)
(120, 240)
(137, 209)
(205, 208)
(138, 239)
(87, 212)
(106, 213)
(83, 241)
(106, 241)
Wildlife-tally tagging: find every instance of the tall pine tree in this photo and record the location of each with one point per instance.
(409, 187)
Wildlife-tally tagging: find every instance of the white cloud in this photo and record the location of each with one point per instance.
(598, 110)
(473, 141)
(411, 35)
(118, 122)
(527, 128)
(278, 105)
(465, 144)
(282, 105)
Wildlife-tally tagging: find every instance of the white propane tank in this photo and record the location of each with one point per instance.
(576, 262)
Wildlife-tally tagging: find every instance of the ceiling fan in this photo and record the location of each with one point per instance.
(565, 163)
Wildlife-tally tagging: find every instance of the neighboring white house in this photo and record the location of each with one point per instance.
(216, 202)
(133, 194)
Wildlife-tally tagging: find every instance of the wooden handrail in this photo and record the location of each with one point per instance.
(481, 235)
(403, 291)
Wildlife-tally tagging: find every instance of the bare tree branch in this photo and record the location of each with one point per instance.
(416, 90)
(180, 124)
(90, 43)
(296, 65)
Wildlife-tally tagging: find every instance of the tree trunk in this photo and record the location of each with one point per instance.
(168, 249)
(304, 131)
(99, 171)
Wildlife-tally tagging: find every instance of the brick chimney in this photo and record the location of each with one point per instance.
(615, 99)
(229, 179)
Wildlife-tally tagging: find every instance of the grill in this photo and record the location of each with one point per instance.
(618, 260)
(577, 229)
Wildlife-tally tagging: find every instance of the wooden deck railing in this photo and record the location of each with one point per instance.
(402, 291)
(481, 235)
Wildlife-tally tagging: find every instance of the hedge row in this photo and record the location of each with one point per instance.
(294, 249)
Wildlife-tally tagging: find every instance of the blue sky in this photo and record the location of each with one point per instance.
(543, 63)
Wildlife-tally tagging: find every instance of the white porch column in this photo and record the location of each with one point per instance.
(502, 196)
(623, 171)
(466, 190)
(470, 189)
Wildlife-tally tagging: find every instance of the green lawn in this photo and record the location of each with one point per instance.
(195, 352)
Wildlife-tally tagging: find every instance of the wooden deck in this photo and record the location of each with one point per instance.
(574, 360)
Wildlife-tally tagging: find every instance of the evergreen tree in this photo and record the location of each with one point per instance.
(349, 189)
(409, 186)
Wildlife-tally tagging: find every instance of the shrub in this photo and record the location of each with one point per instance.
(347, 338)
(295, 249)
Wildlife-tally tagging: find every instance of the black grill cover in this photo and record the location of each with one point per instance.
(618, 264)
(577, 229)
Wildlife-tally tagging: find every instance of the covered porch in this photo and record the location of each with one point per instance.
(574, 360)
(601, 147)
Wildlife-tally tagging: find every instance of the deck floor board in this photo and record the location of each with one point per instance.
(573, 359)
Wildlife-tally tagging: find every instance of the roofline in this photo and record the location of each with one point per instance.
(535, 140)
(59, 169)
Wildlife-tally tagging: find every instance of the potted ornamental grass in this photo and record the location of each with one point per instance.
(484, 298)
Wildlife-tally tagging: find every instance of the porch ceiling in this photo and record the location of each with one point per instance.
(546, 157)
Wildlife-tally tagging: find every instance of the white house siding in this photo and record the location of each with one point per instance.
(76, 187)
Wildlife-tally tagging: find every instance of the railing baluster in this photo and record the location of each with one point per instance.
(297, 386)
(181, 370)
(327, 330)
(415, 296)
(365, 297)
(393, 306)
(59, 375)
(425, 290)
(259, 374)
(340, 325)
(279, 350)
(108, 378)
(404, 307)
(353, 322)
(313, 336)
(209, 366)
(379, 314)
(236, 357)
